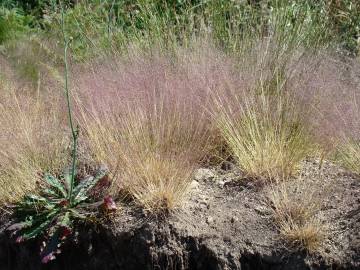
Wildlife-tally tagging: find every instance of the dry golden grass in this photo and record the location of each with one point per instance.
(264, 132)
(348, 155)
(150, 148)
(296, 204)
(32, 141)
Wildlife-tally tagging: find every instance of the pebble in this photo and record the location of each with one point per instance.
(209, 220)
(194, 184)
(221, 183)
(261, 210)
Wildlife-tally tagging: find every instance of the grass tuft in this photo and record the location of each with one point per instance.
(264, 132)
(296, 205)
(151, 138)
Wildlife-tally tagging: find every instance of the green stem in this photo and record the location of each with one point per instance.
(74, 131)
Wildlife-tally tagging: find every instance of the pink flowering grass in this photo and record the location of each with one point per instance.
(334, 91)
(147, 120)
(32, 140)
(153, 118)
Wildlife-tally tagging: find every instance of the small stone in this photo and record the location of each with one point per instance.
(261, 210)
(227, 239)
(221, 183)
(194, 184)
(209, 220)
(203, 204)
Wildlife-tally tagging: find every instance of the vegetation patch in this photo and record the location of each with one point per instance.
(179, 109)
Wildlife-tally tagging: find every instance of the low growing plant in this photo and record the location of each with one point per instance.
(54, 210)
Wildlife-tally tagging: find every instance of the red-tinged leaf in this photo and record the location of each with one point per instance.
(104, 182)
(50, 248)
(20, 239)
(65, 233)
(64, 203)
(49, 257)
(109, 204)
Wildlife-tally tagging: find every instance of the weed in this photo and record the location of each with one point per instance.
(52, 213)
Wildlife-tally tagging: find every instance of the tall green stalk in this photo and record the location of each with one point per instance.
(74, 131)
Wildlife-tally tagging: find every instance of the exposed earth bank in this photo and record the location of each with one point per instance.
(225, 224)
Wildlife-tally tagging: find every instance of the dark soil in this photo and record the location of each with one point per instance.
(225, 224)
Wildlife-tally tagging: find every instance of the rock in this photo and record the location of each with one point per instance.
(234, 219)
(194, 185)
(209, 220)
(261, 210)
(221, 183)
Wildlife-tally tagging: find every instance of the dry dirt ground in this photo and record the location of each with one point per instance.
(225, 224)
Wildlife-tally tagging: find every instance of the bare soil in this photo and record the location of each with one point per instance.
(226, 223)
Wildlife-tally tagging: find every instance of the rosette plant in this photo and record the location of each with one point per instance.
(52, 212)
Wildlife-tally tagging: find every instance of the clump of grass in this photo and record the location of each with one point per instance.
(32, 142)
(150, 151)
(145, 121)
(263, 130)
(296, 205)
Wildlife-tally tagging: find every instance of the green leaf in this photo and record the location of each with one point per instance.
(34, 199)
(56, 184)
(77, 214)
(82, 189)
(20, 225)
(40, 224)
(67, 178)
(50, 192)
(65, 220)
(32, 202)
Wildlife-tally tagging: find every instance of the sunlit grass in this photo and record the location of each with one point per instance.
(264, 132)
(32, 142)
(151, 149)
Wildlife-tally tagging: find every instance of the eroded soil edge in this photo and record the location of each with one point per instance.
(224, 225)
